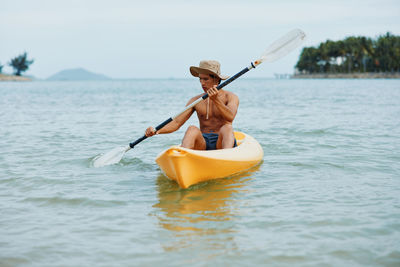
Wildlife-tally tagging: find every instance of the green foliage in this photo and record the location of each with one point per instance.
(20, 63)
(353, 54)
(1, 68)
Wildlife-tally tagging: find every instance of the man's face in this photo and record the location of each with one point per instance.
(207, 82)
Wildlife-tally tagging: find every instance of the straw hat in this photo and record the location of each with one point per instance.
(208, 67)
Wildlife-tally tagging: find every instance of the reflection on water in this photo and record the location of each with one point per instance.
(202, 211)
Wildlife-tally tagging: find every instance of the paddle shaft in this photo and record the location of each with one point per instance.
(205, 96)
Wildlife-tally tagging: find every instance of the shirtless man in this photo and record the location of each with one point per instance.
(215, 114)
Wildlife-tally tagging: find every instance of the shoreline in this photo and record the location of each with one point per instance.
(14, 78)
(395, 75)
(367, 75)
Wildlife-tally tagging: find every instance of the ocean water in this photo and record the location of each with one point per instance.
(326, 194)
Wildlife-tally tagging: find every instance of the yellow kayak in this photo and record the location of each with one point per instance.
(188, 166)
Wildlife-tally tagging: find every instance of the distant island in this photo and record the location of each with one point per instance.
(78, 74)
(353, 57)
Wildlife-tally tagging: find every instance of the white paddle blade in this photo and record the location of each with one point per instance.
(283, 45)
(112, 157)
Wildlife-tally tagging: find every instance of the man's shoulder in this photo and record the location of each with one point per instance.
(231, 95)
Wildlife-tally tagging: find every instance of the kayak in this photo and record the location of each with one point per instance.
(188, 166)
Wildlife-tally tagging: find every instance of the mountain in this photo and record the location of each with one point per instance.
(78, 74)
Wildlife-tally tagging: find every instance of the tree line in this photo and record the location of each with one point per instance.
(353, 54)
(19, 64)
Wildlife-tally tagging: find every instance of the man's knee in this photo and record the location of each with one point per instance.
(192, 129)
(193, 138)
(226, 129)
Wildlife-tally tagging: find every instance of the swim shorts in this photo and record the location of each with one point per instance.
(211, 141)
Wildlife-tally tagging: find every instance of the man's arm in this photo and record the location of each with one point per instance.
(176, 123)
(228, 110)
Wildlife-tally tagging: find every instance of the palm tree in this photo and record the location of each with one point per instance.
(20, 63)
(355, 53)
(308, 60)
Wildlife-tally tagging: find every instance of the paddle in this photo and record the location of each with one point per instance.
(276, 50)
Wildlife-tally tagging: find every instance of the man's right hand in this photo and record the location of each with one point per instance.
(150, 131)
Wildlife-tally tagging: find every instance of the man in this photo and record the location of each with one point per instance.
(215, 114)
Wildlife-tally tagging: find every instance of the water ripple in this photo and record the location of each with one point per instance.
(78, 202)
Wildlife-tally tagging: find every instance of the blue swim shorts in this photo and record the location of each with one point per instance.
(211, 141)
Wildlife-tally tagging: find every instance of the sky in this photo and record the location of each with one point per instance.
(162, 39)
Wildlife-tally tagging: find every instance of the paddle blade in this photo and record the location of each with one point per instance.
(283, 45)
(112, 157)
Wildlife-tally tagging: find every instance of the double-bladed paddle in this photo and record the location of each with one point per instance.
(276, 50)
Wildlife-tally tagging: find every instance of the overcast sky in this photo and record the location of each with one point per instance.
(161, 39)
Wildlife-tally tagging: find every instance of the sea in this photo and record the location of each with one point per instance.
(327, 192)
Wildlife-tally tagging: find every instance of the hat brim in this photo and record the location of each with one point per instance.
(195, 71)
